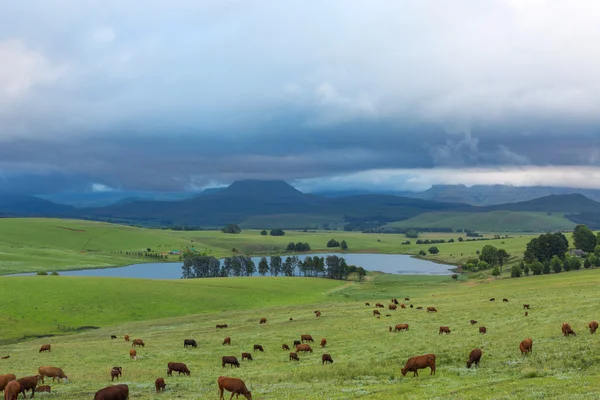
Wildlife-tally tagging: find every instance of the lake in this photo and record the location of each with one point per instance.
(388, 263)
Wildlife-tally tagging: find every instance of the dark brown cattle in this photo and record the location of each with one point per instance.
(303, 347)
(376, 312)
(326, 358)
(285, 347)
(306, 338)
(189, 342)
(431, 309)
(235, 386)
(115, 392)
(178, 367)
(444, 329)
(294, 356)
(419, 308)
(258, 347)
(115, 373)
(29, 383)
(291, 319)
(379, 305)
(137, 342)
(505, 300)
(388, 315)
(4, 379)
(221, 326)
(44, 388)
(403, 306)
(411, 306)
(113, 336)
(493, 299)
(263, 321)
(526, 306)
(526, 313)
(526, 346)
(126, 337)
(296, 343)
(482, 329)
(227, 341)
(231, 360)
(51, 372)
(474, 357)
(406, 299)
(473, 322)
(368, 304)
(4, 357)
(593, 326)
(323, 342)
(390, 329)
(12, 390)
(45, 347)
(246, 356)
(318, 314)
(133, 354)
(401, 327)
(159, 384)
(392, 306)
(419, 362)
(566, 330)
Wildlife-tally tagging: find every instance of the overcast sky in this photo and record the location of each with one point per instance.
(180, 95)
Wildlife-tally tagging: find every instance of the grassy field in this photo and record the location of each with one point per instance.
(367, 357)
(493, 221)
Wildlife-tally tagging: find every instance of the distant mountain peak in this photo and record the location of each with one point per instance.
(260, 188)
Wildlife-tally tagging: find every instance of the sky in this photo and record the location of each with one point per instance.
(398, 95)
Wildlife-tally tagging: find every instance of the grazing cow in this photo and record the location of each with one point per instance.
(133, 354)
(444, 329)
(326, 358)
(368, 304)
(159, 384)
(419, 308)
(113, 336)
(493, 299)
(482, 329)
(45, 347)
(593, 326)
(221, 326)
(526, 346)
(137, 342)
(393, 306)
(306, 338)
(296, 343)
(473, 322)
(403, 306)
(44, 388)
(304, 348)
(115, 392)
(29, 383)
(376, 312)
(291, 319)
(323, 342)
(388, 315)
(406, 299)
(526, 313)
(189, 342)
(115, 373)
(318, 314)
(566, 330)
(4, 357)
(411, 306)
(294, 356)
(431, 309)
(526, 306)
(246, 356)
(12, 390)
(419, 362)
(4, 379)
(51, 372)
(263, 321)
(285, 347)
(235, 386)
(474, 357)
(231, 360)
(126, 337)
(258, 347)
(505, 300)
(390, 328)
(178, 367)
(379, 305)
(401, 327)
(227, 341)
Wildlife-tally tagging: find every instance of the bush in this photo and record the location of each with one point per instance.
(515, 272)
(496, 271)
(433, 250)
(546, 268)
(333, 243)
(344, 245)
(42, 273)
(231, 228)
(277, 232)
(537, 268)
(455, 276)
(264, 232)
(406, 242)
(422, 253)
(54, 273)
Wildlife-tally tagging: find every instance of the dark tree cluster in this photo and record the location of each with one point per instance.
(298, 246)
(231, 228)
(277, 232)
(334, 243)
(546, 246)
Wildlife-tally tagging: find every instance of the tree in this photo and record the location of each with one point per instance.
(546, 267)
(515, 271)
(288, 267)
(360, 271)
(422, 253)
(574, 263)
(277, 232)
(264, 232)
(587, 263)
(482, 265)
(545, 246)
(496, 271)
(291, 246)
(275, 265)
(344, 245)
(524, 268)
(460, 239)
(411, 233)
(333, 243)
(433, 250)
(556, 264)
(489, 254)
(584, 239)
(537, 267)
(503, 257)
(231, 228)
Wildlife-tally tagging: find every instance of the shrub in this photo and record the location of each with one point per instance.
(277, 232)
(496, 271)
(433, 250)
(42, 273)
(536, 268)
(264, 232)
(55, 273)
(422, 253)
(515, 271)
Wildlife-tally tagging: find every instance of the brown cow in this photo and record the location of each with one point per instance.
(406, 299)
(235, 386)
(326, 358)
(419, 308)
(390, 329)
(227, 341)
(306, 338)
(505, 300)
(12, 390)
(473, 322)
(29, 383)
(403, 306)
(368, 304)
(431, 309)
(115, 373)
(323, 342)
(178, 367)
(401, 327)
(258, 347)
(137, 342)
(393, 306)
(482, 329)
(294, 356)
(303, 347)
(444, 329)
(263, 321)
(419, 362)
(45, 347)
(159, 384)
(51, 372)
(526, 306)
(133, 354)
(526, 346)
(474, 357)
(376, 312)
(379, 305)
(115, 392)
(566, 330)
(44, 388)
(231, 360)
(593, 326)
(126, 337)
(4, 357)
(318, 314)
(221, 326)
(285, 347)
(4, 379)
(246, 356)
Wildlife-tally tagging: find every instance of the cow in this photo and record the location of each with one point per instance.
(29, 383)
(318, 314)
(137, 342)
(526, 313)
(379, 305)
(401, 327)
(246, 356)
(115, 372)
(390, 329)
(482, 329)
(566, 330)
(388, 315)
(291, 319)
(493, 299)
(189, 342)
(306, 338)
(368, 304)
(526, 306)
(474, 357)
(221, 326)
(326, 358)
(44, 388)
(126, 337)
(51, 372)
(231, 360)
(178, 367)
(115, 392)
(392, 306)
(376, 312)
(411, 306)
(505, 300)
(304, 348)
(419, 308)
(45, 347)
(4, 379)
(403, 306)
(406, 299)
(526, 346)
(473, 322)
(227, 341)
(258, 347)
(323, 342)
(431, 309)
(285, 347)
(263, 321)
(113, 337)
(235, 386)
(419, 362)
(12, 390)
(296, 343)
(294, 356)
(4, 357)
(444, 329)
(159, 384)
(593, 326)
(133, 354)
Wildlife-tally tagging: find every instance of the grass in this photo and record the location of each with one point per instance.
(367, 357)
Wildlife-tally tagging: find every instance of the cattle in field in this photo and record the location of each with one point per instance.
(526, 313)
(473, 322)
(296, 343)
(593, 326)
(227, 341)
(493, 299)
(263, 321)
(419, 308)
(258, 347)
(306, 338)
(133, 354)
(326, 358)
(379, 305)
(376, 312)
(235, 386)
(44, 388)
(431, 309)
(4, 357)
(403, 306)
(294, 356)
(392, 306)
(419, 362)
(159, 384)
(401, 327)
(444, 329)
(291, 319)
(406, 299)
(12, 390)
(113, 336)
(115, 392)
(526, 346)
(505, 300)
(482, 329)
(4, 379)
(221, 326)
(526, 306)
(231, 360)
(388, 315)
(323, 342)
(368, 304)
(178, 367)
(51, 372)
(45, 347)
(318, 314)
(474, 357)
(411, 306)
(285, 347)
(137, 342)
(189, 342)
(390, 329)
(126, 337)
(303, 347)
(566, 330)
(29, 383)
(115, 373)
(246, 356)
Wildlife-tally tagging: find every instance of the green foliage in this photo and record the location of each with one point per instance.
(344, 245)
(42, 273)
(587, 263)
(536, 267)
(277, 232)
(524, 267)
(422, 253)
(333, 243)
(413, 234)
(275, 265)
(574, 263)
(546, 246)
(433, 250)
(264, 232)
(556, 264)
(54, 273)
(546, 269)
(231, 228)
(583, 238)
(496, 271)
(406, 242)
(263, 266)
(515, 271)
